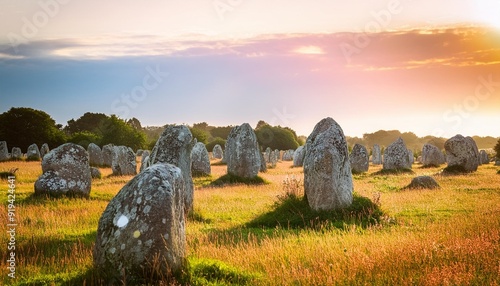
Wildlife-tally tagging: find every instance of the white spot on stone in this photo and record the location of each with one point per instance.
(166, 236)
(122, 221)
(139, 200)
(112, 250)
(122, 247)
(147, 209)
(164, 221)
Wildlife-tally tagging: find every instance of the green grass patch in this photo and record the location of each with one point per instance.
(294, 212)
(230, 179)
(202, 181)
(214, 272)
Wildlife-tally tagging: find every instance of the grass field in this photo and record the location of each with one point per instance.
(258, 235)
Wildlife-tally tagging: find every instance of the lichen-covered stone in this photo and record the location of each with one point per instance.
(33, 153)
(462, 153)
(145, 160)
(288, 155)
(107, 154)
(242, 152)
(376, 155)
(273, 158)
(359, 159)
(4, 152)
(411, 157)
(298, 156)
(66, 170)
(200, 161)
(432, 156)
(423, 182)
(267, 155)
(484, 159)
(16, 153)
(123, 163)
(143, 223)
(95, 155)
(396, 156)
(95, 173)
(174, 147)
(44, 149)
(327, 172)
(217, 152)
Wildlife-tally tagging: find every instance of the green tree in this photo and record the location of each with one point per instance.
(21, 127)
(118, 132)
(217, 140)
(84, 138)
(89, 121)
(276, 138)
(221, 132)
(199, 134)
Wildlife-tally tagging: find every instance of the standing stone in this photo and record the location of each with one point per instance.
(298, 156)
(200, 161)
(359, 159)
(123, 163)
(174, 147)
(217, 152)
(411, 157)
(107, 155)
(396, 156)
(139, 152)
(273, 159)
(95, 155)
(461, 154)
(16, 154)
(288, 155)
(242, 152)
(4, 152)
(484, 157)
(33, 153)
(376, 155)
(144, 160)
(66, 171)
(143, 223)
(95, 173)
(327, 172)
(277, 153)
(267, 156)
(432, 156)
(44, 150)
(263, 165)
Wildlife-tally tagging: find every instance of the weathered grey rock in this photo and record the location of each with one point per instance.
(419, 159)
(267, 155)
(423, 182)
(298, 156)
(263, 165)
(143, 223)
(123, 163)
(200, 161)
(107, 154)
(66, 171)
(217, 152)
(432, 156)
(497, 163)
(145, 160)
(4, 152)
(359, 159)
(16, 153)
(174, 147)
(242, 152)
(396, 156)
(44, 150)
(411, 157)
(273, 158)
(95, 155)
(139, 152)
(461, 154)
(33, 153)
(484, 159)
(288, 155)
(95, 173)
(277, 153)
(376, 155)
(327, 171)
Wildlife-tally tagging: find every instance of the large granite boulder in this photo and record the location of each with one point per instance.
(242, 152)
(217, 152)
(142, 224)
(200, 161)
(432, 156)
(174, 147)
(359, 159)
(16, 154)
(95, 155)
(123, 163)
(298, 156)
(423, 182)
(4, 152)
(376, 155)
(66, 171)
(462, 154)
(396, 156)
(44, 149)
(327, 172)
(107, 154)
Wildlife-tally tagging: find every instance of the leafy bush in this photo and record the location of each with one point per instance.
(276, 138)
(217, 140)
(233, 179)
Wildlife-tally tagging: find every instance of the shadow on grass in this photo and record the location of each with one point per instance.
(292, 212)
(385, 172)
(455, 170)
(230, 179)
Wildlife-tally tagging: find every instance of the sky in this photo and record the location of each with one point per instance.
(428, 67)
